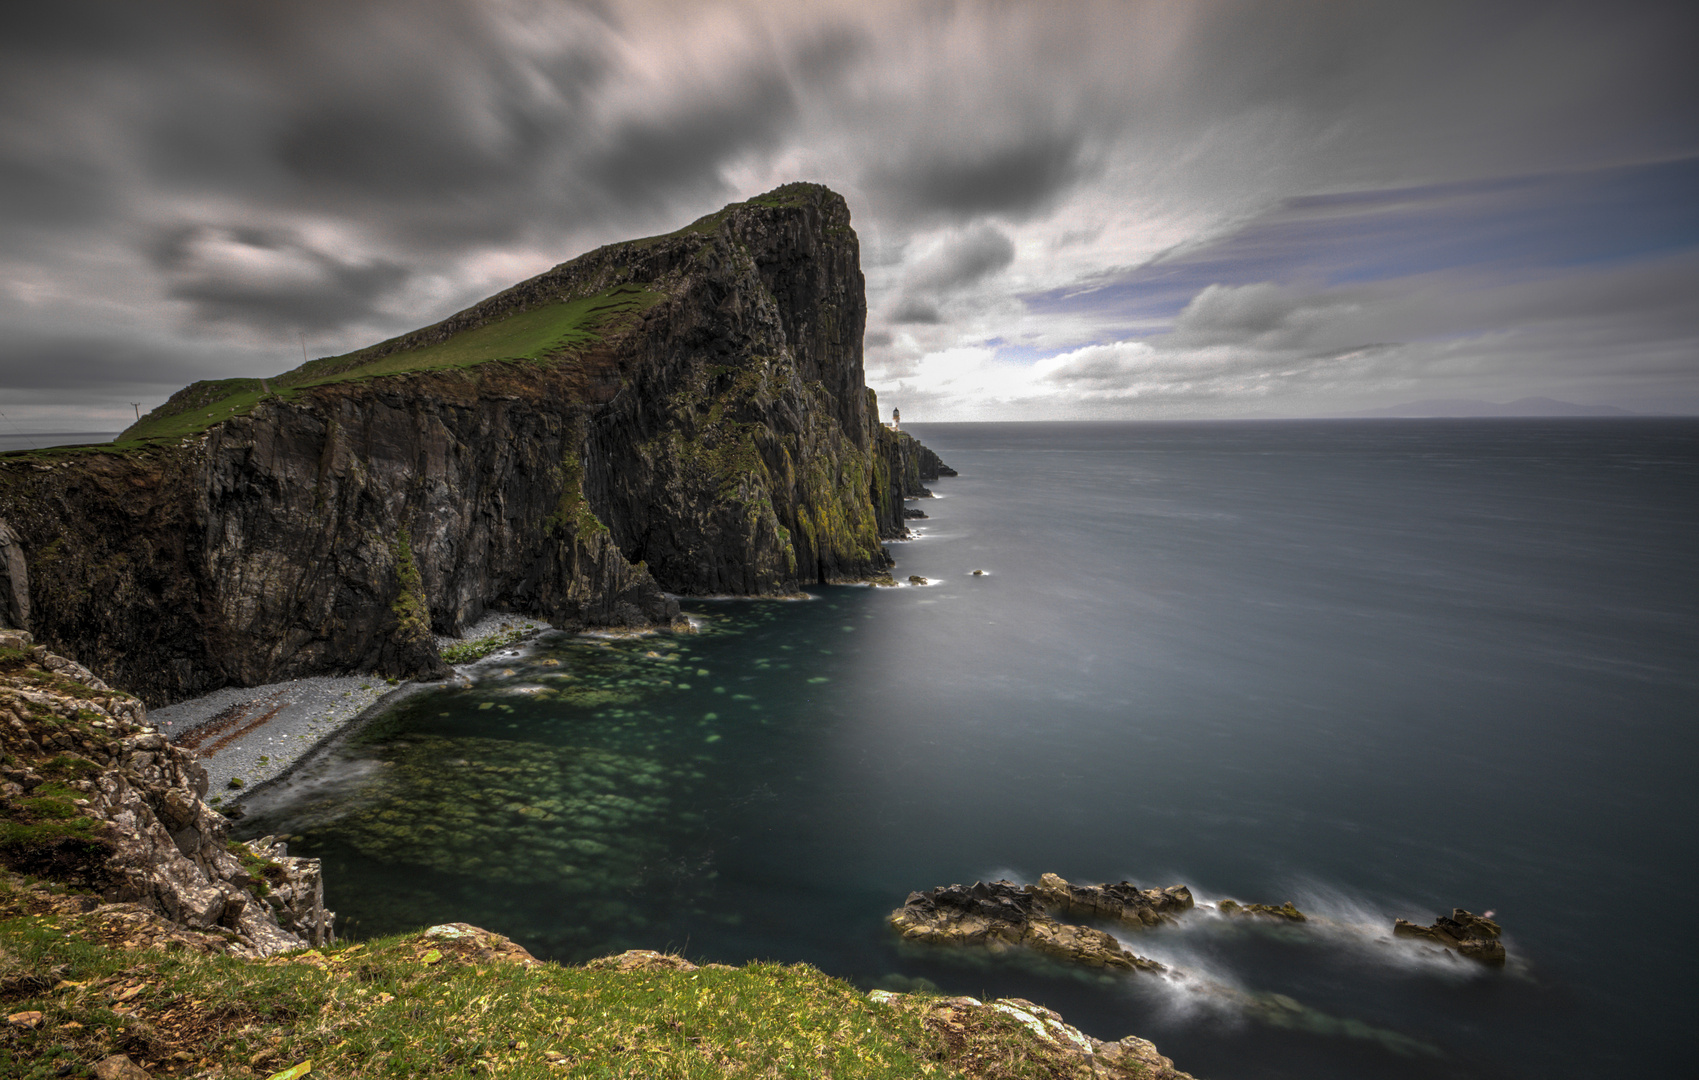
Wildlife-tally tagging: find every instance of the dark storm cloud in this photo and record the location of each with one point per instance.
(915, 311)
(654, 159)
(1014, 177)
(36, 362)
(965, 260)
(410, 154)
(269, 278)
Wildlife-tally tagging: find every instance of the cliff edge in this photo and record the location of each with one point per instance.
(682, 414)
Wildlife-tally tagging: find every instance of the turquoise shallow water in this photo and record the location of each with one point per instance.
(1377, 668)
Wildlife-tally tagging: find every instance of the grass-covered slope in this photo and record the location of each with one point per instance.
(546, 333)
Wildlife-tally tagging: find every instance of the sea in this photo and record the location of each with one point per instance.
(1376, 668)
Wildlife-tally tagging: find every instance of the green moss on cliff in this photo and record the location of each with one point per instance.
(412, 613)
(572, 511)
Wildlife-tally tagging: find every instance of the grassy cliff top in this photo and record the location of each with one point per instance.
(545, 333)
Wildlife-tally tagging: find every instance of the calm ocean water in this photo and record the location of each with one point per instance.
(1378, 668)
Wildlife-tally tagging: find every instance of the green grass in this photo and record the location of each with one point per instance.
(541, 334)
(409, 1006)
(478, 648)
(537, 334)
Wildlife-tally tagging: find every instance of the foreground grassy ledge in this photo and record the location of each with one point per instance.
(83, 982)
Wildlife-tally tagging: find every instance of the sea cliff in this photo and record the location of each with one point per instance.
(684, 415)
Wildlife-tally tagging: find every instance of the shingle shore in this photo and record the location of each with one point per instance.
(255, 733)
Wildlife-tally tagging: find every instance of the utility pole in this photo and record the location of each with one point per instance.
(302, 334)
(138, 407)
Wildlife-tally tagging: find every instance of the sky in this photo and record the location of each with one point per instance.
(1067, 210)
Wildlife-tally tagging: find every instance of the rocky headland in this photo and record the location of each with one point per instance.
(679, 415)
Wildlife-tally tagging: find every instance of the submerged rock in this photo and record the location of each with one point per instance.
(1466, 933)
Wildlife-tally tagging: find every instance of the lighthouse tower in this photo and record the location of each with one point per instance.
(896, 419)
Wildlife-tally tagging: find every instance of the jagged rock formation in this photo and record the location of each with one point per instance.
(1468, 934)
(1123, 901)
(683, 413)
(92, 796)
(999, 915)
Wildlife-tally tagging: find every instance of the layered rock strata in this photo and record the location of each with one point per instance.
(1463, 932)
(701, 428)
(94, 797)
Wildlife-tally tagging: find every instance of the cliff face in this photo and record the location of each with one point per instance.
(684, 413)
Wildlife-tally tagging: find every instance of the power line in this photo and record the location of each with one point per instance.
(33, 444)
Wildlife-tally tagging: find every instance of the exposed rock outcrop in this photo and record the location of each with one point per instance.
(14, 582)
(1285, 911)
(1122, 901)
(1466, 933)
(975, 1031)
(1000, 915)
(692, 421)
(95, 797)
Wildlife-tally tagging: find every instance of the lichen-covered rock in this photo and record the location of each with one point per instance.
(999, 915)
(95, 797)
(470, 943)
(1015, 1036)
(1468, 934)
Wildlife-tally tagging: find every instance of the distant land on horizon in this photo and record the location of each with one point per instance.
(1463, 407)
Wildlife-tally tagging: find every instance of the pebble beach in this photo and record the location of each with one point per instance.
(249, 736)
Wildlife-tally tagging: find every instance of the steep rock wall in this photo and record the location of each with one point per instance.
(718, 440)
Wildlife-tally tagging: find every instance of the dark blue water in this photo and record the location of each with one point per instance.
(1377, 668)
